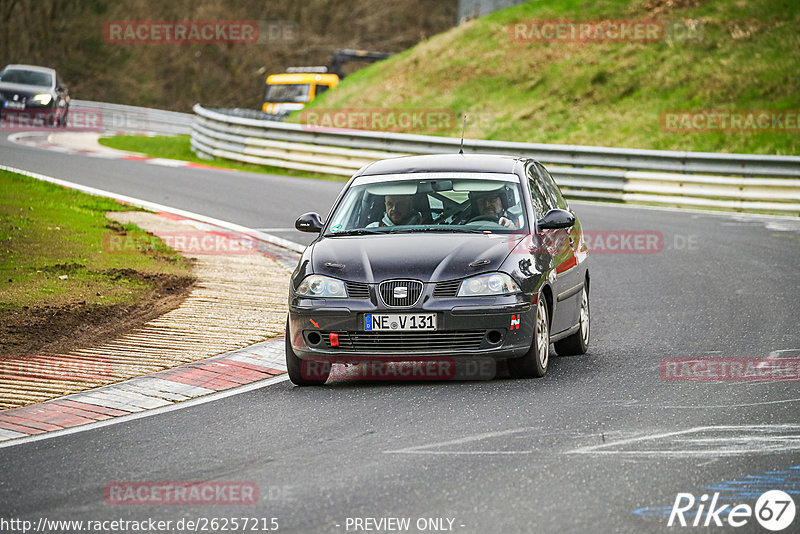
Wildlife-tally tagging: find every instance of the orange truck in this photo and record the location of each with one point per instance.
(293, 89)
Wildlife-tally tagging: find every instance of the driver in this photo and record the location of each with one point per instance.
(491, 205)
(399, 210)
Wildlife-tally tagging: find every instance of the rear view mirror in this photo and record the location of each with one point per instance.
(309, 222)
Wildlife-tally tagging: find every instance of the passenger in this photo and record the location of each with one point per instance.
(490, 207)
(399, 211)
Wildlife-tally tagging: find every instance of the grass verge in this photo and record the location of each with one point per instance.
(58, 270)
(178, 147)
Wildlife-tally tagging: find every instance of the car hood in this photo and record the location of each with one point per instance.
(426, 257)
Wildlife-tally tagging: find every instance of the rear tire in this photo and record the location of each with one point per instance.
(578, 342)
(295, 367)
(534, 363)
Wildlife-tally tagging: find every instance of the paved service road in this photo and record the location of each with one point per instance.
(602, 444)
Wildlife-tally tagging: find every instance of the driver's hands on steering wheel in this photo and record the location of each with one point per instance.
(508, 223)
(502, 221)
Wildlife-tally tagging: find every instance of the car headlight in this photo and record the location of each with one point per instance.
(488, 284)
(316, 286)
(42, 99)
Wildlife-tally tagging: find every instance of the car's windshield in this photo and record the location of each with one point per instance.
(431, 203)
(26, 77)
(287, 92)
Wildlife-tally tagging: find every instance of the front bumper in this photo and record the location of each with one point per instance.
(28, 106)
(494, 327)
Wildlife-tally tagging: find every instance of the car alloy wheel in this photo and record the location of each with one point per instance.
(534, 363)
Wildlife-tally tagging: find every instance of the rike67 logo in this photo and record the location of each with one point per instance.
(774, 510)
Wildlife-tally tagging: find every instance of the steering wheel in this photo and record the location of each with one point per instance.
(490, 218)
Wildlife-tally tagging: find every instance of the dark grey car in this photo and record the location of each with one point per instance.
(36, 95)
(450, 282)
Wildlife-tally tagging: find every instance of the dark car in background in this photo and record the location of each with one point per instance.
(37, 95)
(452, 279)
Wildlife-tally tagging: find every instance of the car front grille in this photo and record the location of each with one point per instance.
(416, 342)
(446, 289)
(357, 290)
(400, 293)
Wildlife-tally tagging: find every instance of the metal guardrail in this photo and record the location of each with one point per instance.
(136, 119)
(740, 182)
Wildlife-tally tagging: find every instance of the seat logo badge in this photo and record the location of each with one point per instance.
(400, 292)
(515, 320)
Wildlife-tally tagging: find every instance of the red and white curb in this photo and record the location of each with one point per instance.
(220, 376)
(85, 144)
(156, 390)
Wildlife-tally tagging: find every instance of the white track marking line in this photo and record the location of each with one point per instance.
(147, 413)
(756, 443)
(743, 405)
(740, 439)
(421, 449)
(460, 441)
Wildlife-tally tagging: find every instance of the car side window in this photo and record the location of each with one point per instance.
(550, 185)
(539, 196)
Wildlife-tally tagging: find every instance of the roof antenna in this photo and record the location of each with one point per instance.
(464, 127)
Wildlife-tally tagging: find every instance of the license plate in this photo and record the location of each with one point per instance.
(399, 322)
(10, 104)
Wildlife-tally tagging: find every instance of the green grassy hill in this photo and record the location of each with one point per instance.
(731, 55)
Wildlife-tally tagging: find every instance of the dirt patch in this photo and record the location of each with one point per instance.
(659, 7)
(60, 329)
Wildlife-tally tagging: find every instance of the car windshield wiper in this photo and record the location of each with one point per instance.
(450, 229)
(360, 231)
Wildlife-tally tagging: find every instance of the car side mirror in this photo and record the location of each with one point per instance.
(555, 219)
(309, 222)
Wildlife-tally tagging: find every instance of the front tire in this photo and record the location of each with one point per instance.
(534, 363)
(297, 371)
(577, 343)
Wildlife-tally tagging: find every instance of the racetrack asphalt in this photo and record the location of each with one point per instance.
(603, 443)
